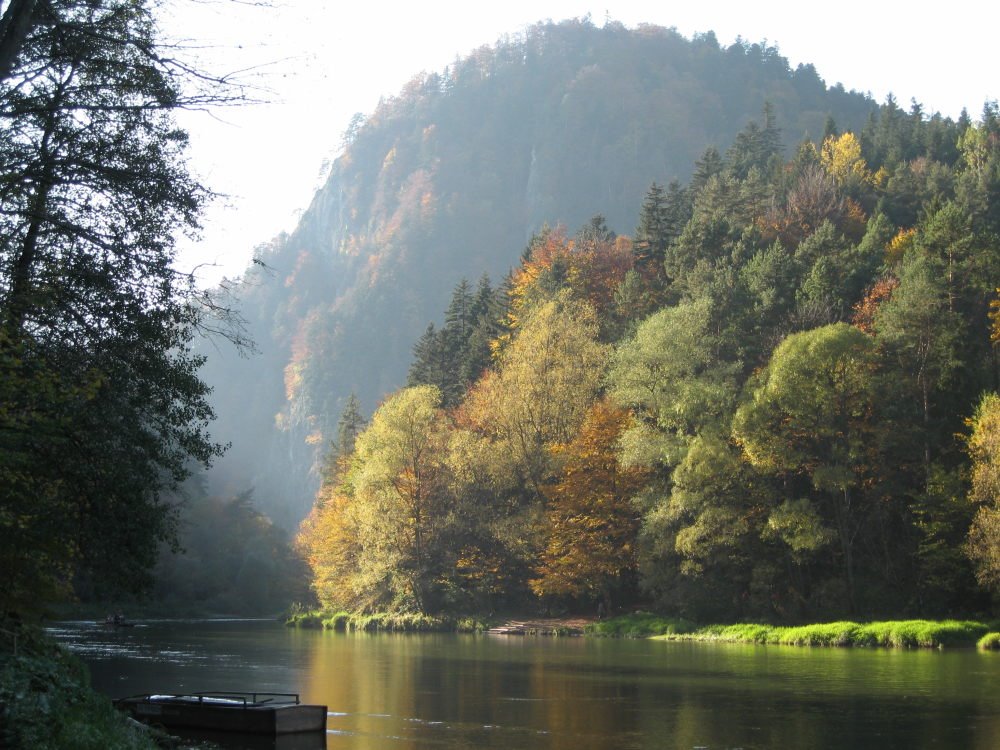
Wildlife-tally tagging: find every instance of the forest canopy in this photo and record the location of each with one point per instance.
(451, 177)
(775, 400)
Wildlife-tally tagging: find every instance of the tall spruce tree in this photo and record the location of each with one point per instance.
(652, 235)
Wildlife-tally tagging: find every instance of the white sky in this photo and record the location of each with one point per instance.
(324, 61)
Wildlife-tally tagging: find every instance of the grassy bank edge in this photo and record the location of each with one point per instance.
(882, 634)
(387, 622)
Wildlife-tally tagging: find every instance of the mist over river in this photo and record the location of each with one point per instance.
(411, 691)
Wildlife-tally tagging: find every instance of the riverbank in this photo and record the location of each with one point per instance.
(883, 634)
(387, 622)
(46, 701)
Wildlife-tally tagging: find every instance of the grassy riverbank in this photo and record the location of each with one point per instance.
(887, 634)
(386, 622)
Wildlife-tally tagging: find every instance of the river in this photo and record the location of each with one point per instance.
(411, 692)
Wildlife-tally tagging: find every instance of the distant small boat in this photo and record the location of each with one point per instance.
(119, 624)
(252, 713)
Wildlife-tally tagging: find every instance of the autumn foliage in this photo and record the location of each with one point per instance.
(592, 523)
(753, 410)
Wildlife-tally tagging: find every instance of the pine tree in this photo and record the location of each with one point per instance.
(427, 367)
(349, 426)
(486, 313)
(755, 146)
(650, 241)
(458, 327)
(709, 165)
(351, 423)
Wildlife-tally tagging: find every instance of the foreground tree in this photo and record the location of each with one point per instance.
(401, 505)
(103, 408)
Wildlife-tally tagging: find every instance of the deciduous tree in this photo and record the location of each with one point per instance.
(401, 503)
(591, 522)
(95, 323)
(811, 413)
(983, 543)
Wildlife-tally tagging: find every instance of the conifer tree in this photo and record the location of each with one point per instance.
(349, 426)
(709, 165)
(427, 367)
(651, 236)
(486, 313)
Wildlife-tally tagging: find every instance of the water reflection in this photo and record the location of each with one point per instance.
(429, 691)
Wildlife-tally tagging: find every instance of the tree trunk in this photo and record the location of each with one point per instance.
(847, 547)
(19, 299)
(14, 28)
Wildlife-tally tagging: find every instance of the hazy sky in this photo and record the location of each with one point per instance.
(320, 62)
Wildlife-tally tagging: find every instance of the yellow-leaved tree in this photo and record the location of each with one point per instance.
(983, 543)
(327, 541)
(545, 381)
(841, 158)
(401, 508)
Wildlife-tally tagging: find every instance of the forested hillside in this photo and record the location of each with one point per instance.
(775, 400)
(450, 179)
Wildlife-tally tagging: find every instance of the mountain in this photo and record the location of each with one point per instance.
(449, 180)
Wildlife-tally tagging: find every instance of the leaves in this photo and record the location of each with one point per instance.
(592, 524)
(96, 325)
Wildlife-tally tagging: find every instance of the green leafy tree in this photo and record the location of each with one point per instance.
(811, 413)
(978, 183)
(401, 503)
(670, 376)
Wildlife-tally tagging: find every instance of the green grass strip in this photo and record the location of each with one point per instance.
(989, 642)
(887, 634)
(384, 622)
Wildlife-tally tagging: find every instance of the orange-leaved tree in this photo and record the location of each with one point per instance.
(592, 523)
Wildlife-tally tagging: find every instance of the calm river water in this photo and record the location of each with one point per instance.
(463, 691)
